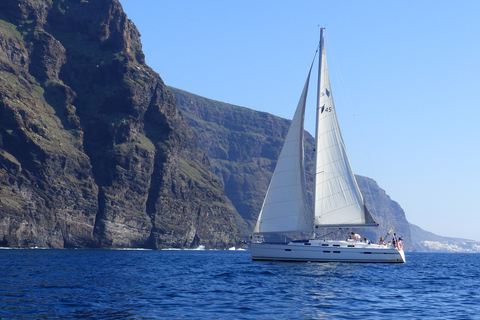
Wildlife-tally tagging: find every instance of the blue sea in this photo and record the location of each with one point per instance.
(174, 284)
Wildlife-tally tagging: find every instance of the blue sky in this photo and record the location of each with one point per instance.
(405, 76)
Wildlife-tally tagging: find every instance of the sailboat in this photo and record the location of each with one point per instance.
(338, 202)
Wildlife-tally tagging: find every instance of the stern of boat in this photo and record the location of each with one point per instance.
(402, 255)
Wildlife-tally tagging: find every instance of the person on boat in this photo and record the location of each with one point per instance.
(399, 243)
(366, 240)
(357, 237)
(382, 241)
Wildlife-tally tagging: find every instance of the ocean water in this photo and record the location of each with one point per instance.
(174, 284)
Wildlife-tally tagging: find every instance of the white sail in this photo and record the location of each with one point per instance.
(285, 208)
(338, 201)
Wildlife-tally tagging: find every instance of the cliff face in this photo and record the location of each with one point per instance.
(243, 146)
(93, 152)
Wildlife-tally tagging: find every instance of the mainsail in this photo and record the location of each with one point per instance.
(338, 201)
(285, 208)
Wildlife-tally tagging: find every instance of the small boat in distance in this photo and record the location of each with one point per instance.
(338, 202)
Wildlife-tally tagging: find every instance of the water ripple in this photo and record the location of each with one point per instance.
(96, 284)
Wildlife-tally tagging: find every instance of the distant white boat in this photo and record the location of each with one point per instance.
(236, 249)
(338, 200)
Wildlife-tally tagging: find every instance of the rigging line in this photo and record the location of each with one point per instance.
(324, 235)
(315, 55)
(316, 51)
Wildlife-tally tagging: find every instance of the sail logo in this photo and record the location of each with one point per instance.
(328, 109)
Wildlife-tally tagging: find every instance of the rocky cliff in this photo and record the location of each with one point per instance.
(93, 152)
(244, 145)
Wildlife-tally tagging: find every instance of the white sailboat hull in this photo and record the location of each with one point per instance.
(327, 251)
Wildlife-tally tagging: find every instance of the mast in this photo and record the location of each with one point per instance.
(321, 48)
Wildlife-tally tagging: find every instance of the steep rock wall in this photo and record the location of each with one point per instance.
(244, 145)
(93, 152)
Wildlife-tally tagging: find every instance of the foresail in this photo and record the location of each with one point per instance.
(285, 207)
(338, 201)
